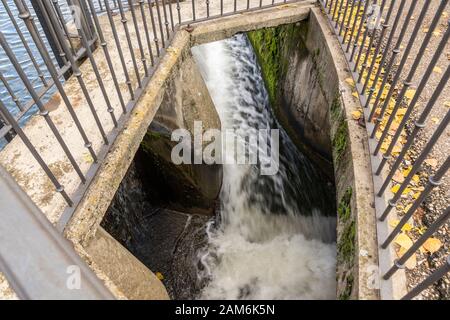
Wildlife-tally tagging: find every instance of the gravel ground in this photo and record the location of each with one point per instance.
(439, 199)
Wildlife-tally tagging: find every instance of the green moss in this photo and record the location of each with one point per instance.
(344, 209)
(340, 139)
(346, 245)
(271, 45)
(336, 108)
(345, 295)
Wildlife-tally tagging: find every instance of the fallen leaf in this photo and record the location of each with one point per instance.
(432, 245)
(437, 70)
(356, 115)
(350, 81)
(411, 262)
(355, 94)
(403, 241)
(410, 94)
(435, 120)
(406, 227)
(447, 104)
(159, 275)
(395, 188)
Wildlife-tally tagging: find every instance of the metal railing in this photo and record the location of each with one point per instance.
(377, 38)
(58, 35)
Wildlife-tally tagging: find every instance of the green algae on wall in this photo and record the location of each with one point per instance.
(271, 45)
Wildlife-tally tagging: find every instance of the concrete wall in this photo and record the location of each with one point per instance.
(304, 71)
(296, 88)
(356, 241)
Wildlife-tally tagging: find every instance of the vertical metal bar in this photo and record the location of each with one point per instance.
(160, 21)
(420, 159)
(193, 10)
(138, 36)
(438, 274)
(221, 7)
(394, 52)
(171, 15)
(374, 56)
(147, 33)
(25, 43)
(39, 104)
(62, 22)
(418, 125)
(415, 99)
(130, 44)
(398, 264)
(343, 18)
(329, 9)
(107, 55)
(10, 91)
(40, 44)
(85, 43)
(416, 62)
(339, 14)
(49, 33)
(353, 27)
(347, 27)
(54, 74)
(335, 9)
(235, 5)
(119, 49)
(433, 181)
(207, 8)
(355, 44)
(366, 32)
(155, 33)
(179, 11)
(166, 22)
(59, 188)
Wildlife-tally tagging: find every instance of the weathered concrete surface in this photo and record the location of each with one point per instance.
(191, 188)
(296, 89)
(127, 272)
(357, 242)
(83, 226)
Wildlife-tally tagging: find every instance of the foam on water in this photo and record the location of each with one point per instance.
(273, 240)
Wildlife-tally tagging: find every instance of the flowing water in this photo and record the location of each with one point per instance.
(276, 236)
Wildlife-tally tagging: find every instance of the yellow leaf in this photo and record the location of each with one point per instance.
(159, 275)
(435, 120)
(406, 227)
(425, 30)
(447, 104)
(406, 209)
(410, 94)
(437, 33)
(437, 70)
(395, 188)
(432, 245)
(416, 195)
(403, 241)
(350, 81)
(411, 262)
(406, 171)
(356, 115)
(355, 94)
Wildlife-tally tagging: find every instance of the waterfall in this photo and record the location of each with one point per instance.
(276, 235)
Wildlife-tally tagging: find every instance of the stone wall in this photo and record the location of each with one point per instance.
(304, 71)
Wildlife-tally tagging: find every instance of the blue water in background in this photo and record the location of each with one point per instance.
(9, 72)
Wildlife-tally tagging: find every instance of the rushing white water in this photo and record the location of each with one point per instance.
(273, 240)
